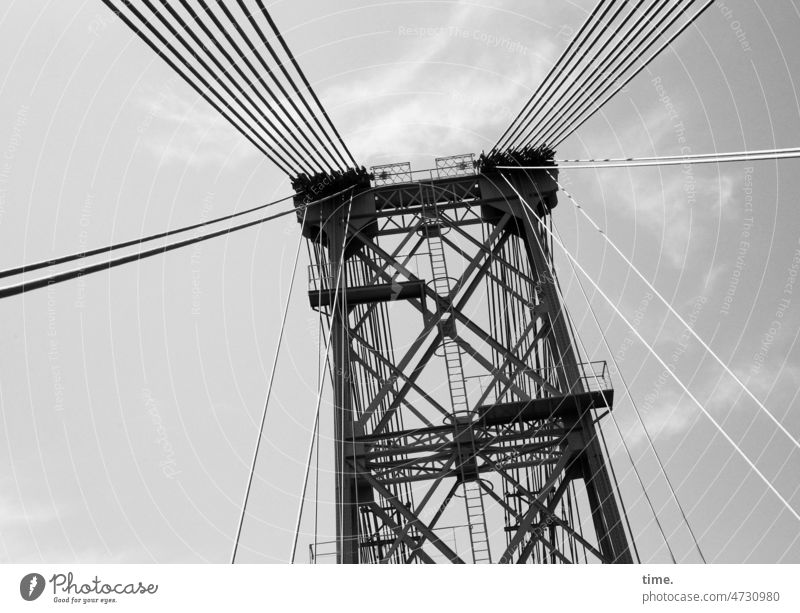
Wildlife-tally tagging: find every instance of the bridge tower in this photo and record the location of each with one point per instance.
(467, 424)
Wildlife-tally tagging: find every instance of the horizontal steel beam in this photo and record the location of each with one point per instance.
(368, 294)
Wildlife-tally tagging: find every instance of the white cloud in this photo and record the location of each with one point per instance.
(675, 204)
(12, 513)
(425, 103)
(678, 205)
(671, 414)
(176, 130)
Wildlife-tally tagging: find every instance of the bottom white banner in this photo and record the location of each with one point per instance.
(138, 587)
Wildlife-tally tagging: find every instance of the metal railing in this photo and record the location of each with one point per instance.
(321, 277)
(325, 551)
(401, 172)
(594, 376)
(389, 174)
(456, 165)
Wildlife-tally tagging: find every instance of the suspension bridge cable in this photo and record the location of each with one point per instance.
(563, 61)
(627, 390)
(26, 286)
(680, 157)
(650, 22)
(658, 358)
(617, 488)
(669, 15)
(294, 157)
(636, 411)
(616, 90)
(303, 78)
(336, 293)
(232, 42)
(576, 85)
(317, 155)
(774, 155)
(249, 43)
(269, 390)
(567, 81)
(314, 436)
(328, 142)
(288, 136)
(630, 41)
(275, 137)
(536, 102)
(138, 241)
(262, 146)
(675, 313)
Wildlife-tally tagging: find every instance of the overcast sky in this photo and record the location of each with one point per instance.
(130, 400)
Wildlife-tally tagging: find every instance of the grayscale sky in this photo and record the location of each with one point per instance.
(130, 400)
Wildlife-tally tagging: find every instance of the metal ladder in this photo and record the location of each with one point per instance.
(476, 518)
(473, 493)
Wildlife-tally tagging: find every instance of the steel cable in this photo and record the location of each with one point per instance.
(300, 72)
(263, 146)
(547, 82)
(630, 41)
(295, 156)
(289, 132)
(568, 81)
(559, 138)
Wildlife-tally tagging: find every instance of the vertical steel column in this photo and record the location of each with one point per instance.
(347, 524)
(591, 462)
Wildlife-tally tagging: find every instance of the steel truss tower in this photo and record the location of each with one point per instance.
(461, 404)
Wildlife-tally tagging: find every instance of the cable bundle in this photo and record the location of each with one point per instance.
(225, 53)
(602, 58)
